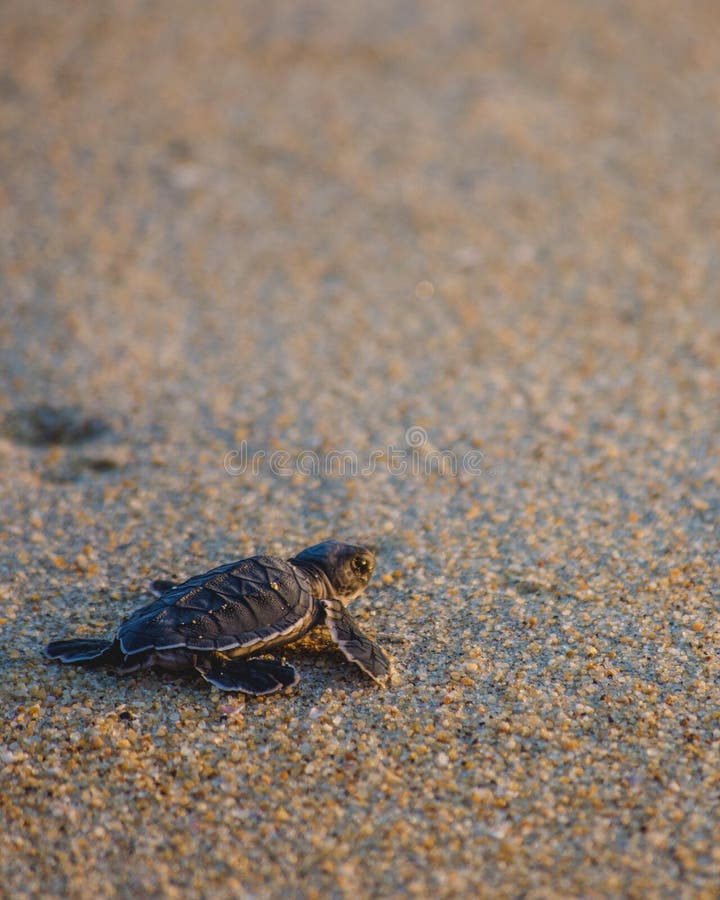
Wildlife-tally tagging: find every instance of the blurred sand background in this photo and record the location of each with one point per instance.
(311, 227)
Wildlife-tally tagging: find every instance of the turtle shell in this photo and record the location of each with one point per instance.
(254, 603)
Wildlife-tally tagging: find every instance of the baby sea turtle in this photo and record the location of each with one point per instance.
(217, 623)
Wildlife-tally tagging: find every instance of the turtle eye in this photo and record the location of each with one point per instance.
(361, 565)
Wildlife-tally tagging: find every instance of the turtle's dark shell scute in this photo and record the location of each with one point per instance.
(234, 605)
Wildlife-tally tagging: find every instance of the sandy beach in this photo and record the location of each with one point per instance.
(439, 277)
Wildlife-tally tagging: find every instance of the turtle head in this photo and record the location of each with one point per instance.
(344, 568)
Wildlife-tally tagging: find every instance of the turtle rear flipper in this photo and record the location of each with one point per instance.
(251, 676)
(354, 643)
(83, 651)
(158, 586)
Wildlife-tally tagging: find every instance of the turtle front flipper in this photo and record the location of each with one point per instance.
(251, 676)
(354, 644)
